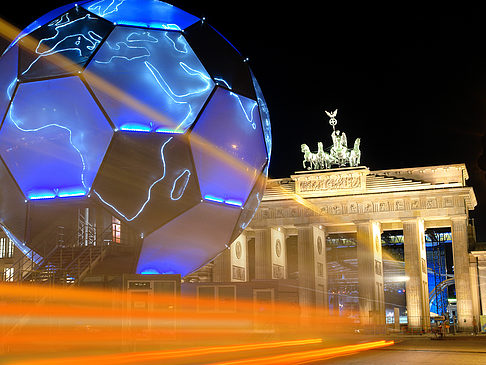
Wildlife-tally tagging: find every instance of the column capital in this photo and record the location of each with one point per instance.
(411, 219)
(320, 226)
(369, 223)
(259, 229)
(459, 217)
(362, 222)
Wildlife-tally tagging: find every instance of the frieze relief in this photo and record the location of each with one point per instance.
(337, 182)
(360, 207)
(399, 204)
(431, 203)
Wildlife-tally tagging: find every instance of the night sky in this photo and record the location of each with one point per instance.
(411, 82)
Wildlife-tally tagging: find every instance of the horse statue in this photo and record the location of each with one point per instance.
(339, 150)
(354, 155)
(339, 154)
(309, 157)
(324, 158)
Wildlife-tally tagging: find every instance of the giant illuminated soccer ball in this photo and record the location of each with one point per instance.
(140, 108)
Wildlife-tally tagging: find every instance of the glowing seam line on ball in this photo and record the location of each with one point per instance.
(10, 87)
(117, 47)
(155, 25)
(104, 13)
(247, 116)
(123, 57)
(149, 190)
(245, 224)
(188, 174)
(185, 44)
(95, 40)
(250, 119)
(161, 82)
(47, 126)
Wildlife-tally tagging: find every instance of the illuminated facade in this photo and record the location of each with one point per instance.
(331, 234)
(133, 112)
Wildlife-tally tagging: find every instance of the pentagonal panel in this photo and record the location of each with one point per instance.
(228, 148)
(223, 62)
(142, 13)
(8, 78)
(147, 179)
(265, 116)
(44, 19)
(53, 138)
(189, 241)
(155, 80)
(63, 45)
(12, 204)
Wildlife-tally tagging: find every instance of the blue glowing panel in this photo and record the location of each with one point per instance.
(147, 179)
(13, 207)
(189, 241)
(54, 138)
(164, 84)
(44, 19)
(223, 62)
(228, 148)
(265, 116)
(8, 78)
(144, 13)
(63, 45)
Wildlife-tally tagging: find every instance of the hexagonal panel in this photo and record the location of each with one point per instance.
(223, 62)
(63, 45)
(149, 80)
(142, 13)
(188, 241)
(147, 179)
(53, 138)
(8, 78)
(228, 148)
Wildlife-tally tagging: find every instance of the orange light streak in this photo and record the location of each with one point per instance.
(296, 357)
(137, 357)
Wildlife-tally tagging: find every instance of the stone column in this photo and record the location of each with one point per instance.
(263, 254)
(320, 269)
(370, 273)
(482, 284)
(473, 278)
(239, 259)
(278, 249)
(416, 287)
(306, 264)
(461, 273)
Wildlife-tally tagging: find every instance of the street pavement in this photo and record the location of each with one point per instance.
(423, 350)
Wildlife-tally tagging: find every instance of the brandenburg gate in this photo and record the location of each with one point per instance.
(314, 204)
(352, 199)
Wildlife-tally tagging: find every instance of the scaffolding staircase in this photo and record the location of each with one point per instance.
(64, 264)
